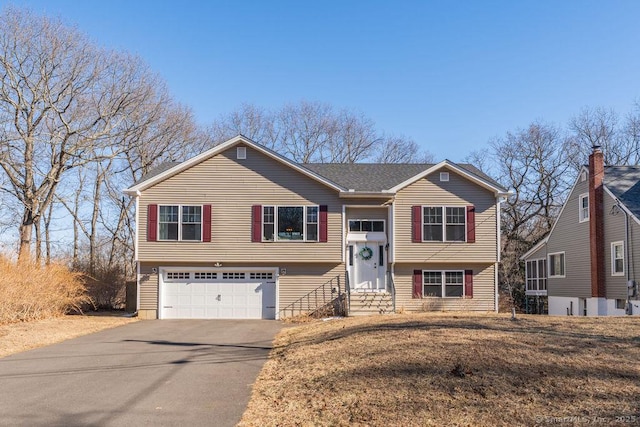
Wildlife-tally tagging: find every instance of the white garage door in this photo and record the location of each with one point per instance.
(193, 294)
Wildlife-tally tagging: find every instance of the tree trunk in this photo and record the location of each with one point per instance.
(26, 227)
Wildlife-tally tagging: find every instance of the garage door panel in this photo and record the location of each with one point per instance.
(229, 295)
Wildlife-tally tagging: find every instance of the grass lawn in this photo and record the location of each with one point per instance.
(17, 337)
(442, 370)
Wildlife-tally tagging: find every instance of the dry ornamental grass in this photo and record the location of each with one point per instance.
(29, 291)
(452, 370)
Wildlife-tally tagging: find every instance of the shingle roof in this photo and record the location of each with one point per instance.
(624, 183)
(374, 177)
(379, 176)
(156, 171)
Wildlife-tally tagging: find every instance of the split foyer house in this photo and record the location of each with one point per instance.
(586, 265)
(241, 232)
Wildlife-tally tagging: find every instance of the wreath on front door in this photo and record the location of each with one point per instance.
(366, 253)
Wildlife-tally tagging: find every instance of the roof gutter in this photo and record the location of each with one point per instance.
(366, 194)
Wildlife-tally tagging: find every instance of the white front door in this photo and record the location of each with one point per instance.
(367, 266)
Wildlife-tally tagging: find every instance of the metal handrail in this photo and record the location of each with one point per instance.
(315, 299)
(392, 287)
(347, 288)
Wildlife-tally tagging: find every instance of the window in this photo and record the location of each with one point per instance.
(241, 153)
(204, 275)
(617, 258)
(453, 229)
(366, 225)
(621, 304)
(290, 223)
(444, 176)
(537, 275)
(178, 275)
(449, 284)
(168, 220)
(583, 208)
(556, 265)
(268, 222)
(261, 276)
(432, 220)
(233, 276)
(180, 223)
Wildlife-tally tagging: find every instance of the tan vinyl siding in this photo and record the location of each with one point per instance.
(299, 280)
(304, 278)
(458, 191)
(614, 231)
(148, 287)
(232, 186)
(367, 213)
(572, 237)
(483, 289)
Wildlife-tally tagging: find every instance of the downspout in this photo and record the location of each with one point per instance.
(135, 251)
(626, 254)
(499, 200)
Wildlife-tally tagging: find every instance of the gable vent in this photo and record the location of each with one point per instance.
(241, 153)
(444, 176)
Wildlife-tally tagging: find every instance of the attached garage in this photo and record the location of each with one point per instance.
(217, 294)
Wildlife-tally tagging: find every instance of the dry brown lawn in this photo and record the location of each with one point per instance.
(22, 336)
(452, 370)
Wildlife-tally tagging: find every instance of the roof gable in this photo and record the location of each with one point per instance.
(623, 182)
(473, 175)
(163, 173)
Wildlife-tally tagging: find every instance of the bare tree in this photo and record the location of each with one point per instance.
(600, 126)
(400, 149)
(61, 100)
(249, 120)
(534, 162)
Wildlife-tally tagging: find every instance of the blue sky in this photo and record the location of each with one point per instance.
(451, 75)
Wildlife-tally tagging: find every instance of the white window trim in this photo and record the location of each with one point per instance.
(442, 284)
(564, 266)
(444, 176)
(537, 278)
(444, 223)
(180, 224)
(384, 225)
(275, 223)
(613, 260)
(581, 217)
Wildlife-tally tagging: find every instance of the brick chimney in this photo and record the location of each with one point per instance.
(596, 222)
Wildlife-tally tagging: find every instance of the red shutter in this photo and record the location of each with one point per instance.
(417, 283)
(471, 224)
(416, 220)
(152, 223)
(323, 232)
(468, 283)
(256, 223)
(206, 223)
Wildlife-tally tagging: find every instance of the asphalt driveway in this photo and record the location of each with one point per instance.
(153, 372)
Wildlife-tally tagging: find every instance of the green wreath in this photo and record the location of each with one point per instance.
(366, 253)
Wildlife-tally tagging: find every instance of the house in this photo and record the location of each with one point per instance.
(586, 265)
(240, 231)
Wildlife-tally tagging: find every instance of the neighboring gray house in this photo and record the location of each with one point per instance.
(586, 266)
